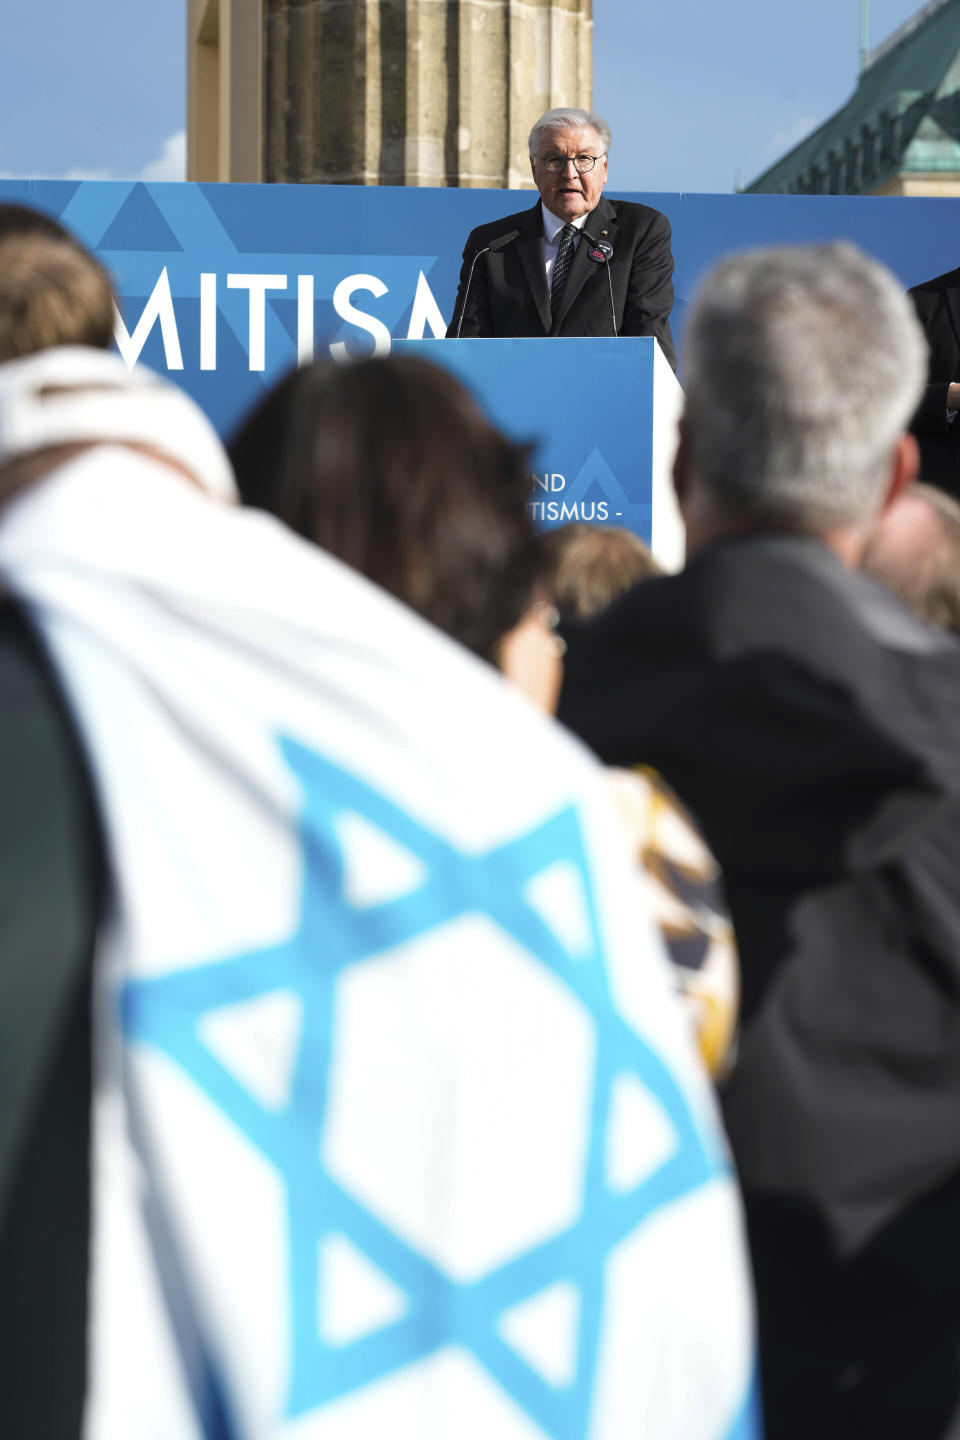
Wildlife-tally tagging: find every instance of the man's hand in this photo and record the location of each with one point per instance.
(953, 396)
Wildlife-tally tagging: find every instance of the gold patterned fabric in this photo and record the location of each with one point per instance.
(686, 891)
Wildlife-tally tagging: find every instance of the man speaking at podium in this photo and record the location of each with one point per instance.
(576, 263)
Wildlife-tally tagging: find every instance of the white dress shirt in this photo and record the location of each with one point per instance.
(551, 238)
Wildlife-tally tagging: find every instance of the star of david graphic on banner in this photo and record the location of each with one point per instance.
(419, 1302)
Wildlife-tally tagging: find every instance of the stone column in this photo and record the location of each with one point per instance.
(224, 89)
(416, 92)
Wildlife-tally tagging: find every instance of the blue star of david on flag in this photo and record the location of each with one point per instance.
(337, 932)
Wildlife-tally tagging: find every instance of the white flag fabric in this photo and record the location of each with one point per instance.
(398, 1131)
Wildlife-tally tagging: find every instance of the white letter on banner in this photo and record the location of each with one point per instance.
(304, 319)
(346, 311)
(425, 312)
(158, 307)
(208, 321)
(257, 285)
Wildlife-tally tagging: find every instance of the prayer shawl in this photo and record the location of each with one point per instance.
(397, 1128)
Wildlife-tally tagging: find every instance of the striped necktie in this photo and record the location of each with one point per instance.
(561, 268)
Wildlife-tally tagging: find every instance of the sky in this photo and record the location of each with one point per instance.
(700, 96)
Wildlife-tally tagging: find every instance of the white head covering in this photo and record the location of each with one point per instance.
(74, 394)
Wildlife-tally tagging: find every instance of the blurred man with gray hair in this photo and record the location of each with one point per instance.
(576, 263)
(812, 725)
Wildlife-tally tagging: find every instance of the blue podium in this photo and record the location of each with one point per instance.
(602, 416)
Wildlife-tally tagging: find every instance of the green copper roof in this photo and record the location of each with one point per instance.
(904, 114)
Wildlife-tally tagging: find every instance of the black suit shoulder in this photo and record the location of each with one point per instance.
(631, 212)
(950, 280)
(482, 235)
(930, 300)
(937, 305)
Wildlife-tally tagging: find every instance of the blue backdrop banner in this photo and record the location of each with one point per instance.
(226, 286)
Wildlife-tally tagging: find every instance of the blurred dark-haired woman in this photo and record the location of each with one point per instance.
(392, 466)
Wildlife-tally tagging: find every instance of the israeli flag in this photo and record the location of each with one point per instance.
(398, 1131)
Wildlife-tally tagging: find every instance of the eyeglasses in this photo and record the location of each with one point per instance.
(555, 164)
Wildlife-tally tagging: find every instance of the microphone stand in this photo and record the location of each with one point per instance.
(496, 244)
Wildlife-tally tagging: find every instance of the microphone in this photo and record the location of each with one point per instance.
(601, 252)
(496, 244)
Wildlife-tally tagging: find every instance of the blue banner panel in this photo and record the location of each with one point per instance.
(587, 407)
(226, 286)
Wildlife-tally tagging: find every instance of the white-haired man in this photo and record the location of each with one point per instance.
(576, 263)
(811, 724)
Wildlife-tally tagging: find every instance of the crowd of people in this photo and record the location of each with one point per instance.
(277, 730)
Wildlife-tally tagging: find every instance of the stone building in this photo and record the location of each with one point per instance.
(899, 133)
(379, 92)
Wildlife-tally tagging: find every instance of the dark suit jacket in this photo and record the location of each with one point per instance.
(51, 875)
(937, 303)
(508, 294)
(813, 728)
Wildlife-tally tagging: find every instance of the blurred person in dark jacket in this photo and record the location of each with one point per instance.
(812, 725)
(52, 292)
(937, 303)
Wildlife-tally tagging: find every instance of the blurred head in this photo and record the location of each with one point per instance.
(52, 293)
(24, 220)
(914, 548)
(589, 566)
(803, 367)
(391, 465)
(60, 402)
(568, 158)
